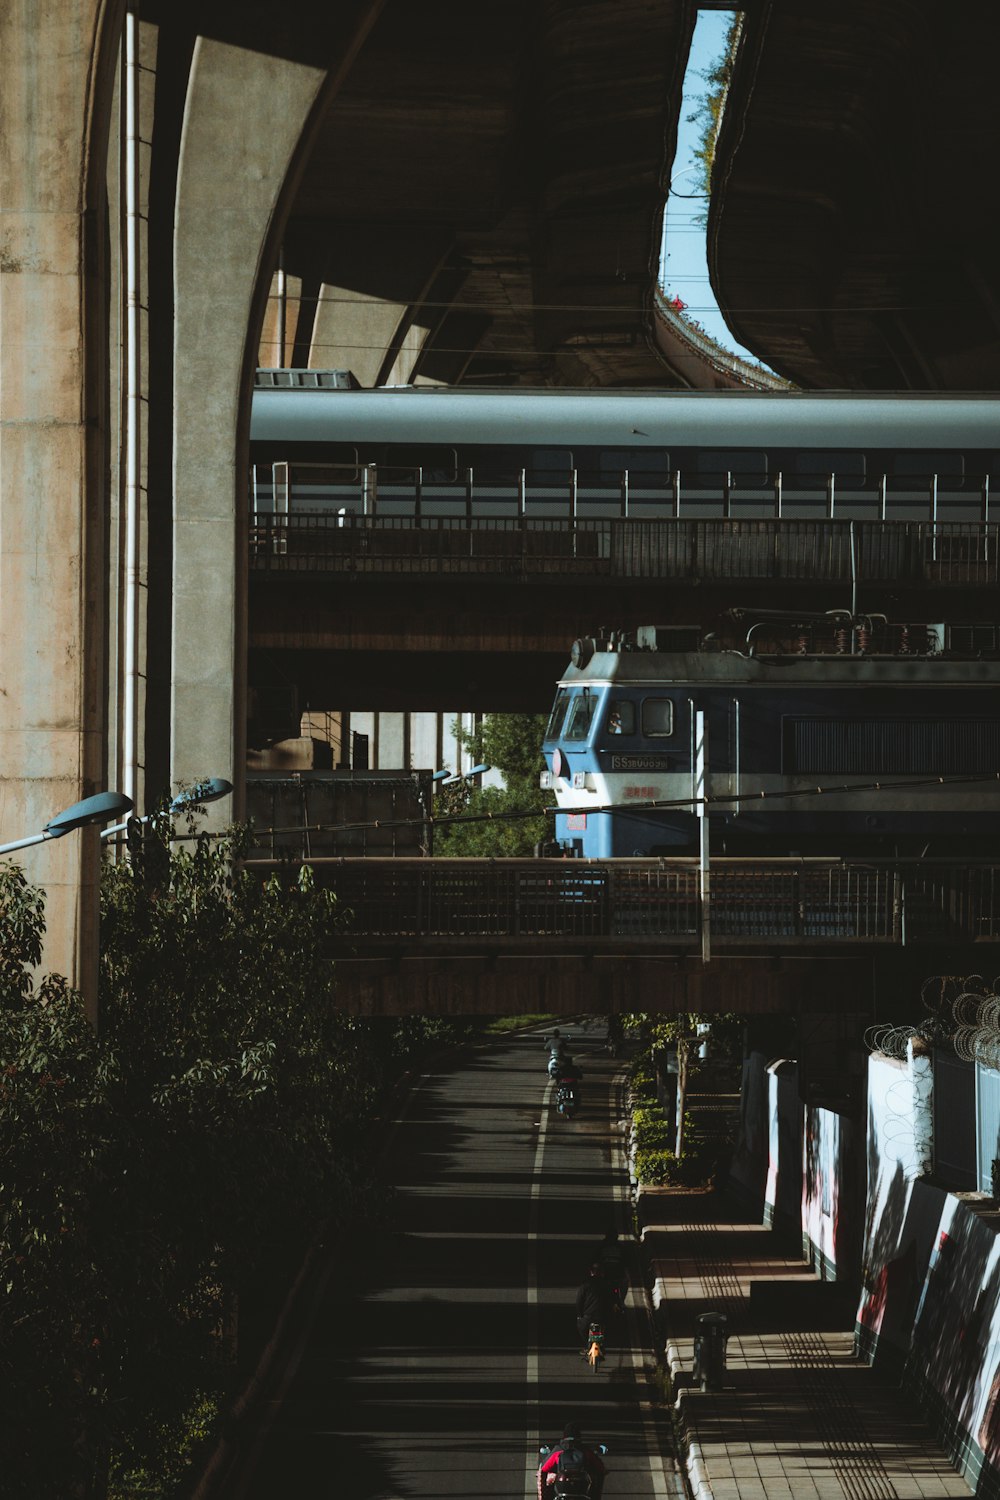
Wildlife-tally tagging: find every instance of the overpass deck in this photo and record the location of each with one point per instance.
(483, 937)
(948, 554)
(395, 907)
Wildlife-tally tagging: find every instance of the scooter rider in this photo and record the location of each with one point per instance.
(572, 1441)
(594, 1303)
(612, 1263)
(567, 1077)
(557, 1049)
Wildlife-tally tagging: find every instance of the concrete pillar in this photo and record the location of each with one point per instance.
(244, 116)
(56, 84)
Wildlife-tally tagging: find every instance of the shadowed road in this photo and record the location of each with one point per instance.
(450, 1351)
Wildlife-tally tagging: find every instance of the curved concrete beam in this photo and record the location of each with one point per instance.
(247, 118)
(244, 117)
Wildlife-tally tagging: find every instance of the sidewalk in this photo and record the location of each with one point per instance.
(798, 1415)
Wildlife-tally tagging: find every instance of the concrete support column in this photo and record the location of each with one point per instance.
(244, 116)
(55, 88)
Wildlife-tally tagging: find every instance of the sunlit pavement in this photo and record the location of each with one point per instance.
(798, 1414)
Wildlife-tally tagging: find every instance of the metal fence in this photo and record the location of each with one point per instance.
(958, 554)
(637, 903)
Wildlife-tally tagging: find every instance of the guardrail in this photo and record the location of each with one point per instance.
(955, 554)
(557, 904)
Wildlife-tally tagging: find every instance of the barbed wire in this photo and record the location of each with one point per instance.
(964, 1013)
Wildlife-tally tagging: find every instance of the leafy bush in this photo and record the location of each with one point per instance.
(642, 1079)
(661, 1168)
(650, 1129)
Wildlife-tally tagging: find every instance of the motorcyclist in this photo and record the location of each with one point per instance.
(613, 1269)
(557, 1049)
(613, 1040)
(594, 1303)
(592, 1462)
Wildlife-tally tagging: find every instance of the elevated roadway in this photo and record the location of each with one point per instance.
(467, 936)
(851, 192)
(407, 613)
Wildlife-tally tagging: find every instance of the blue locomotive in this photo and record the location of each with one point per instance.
(873, 713)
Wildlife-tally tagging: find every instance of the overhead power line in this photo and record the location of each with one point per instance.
(682, 803)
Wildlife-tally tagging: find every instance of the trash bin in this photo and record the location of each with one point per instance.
(710, 1350)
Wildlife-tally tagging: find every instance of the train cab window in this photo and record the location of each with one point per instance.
(558, 714)
(950, 466)
(748, 467)
(439, 464)
(657, 717)
(812, 470)
(581, 716)
(621, 717)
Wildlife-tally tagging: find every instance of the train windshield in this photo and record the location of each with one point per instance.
(558, 714)
(581, 715)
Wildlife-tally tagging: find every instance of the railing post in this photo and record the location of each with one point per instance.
(282, 506)
(777, 496)
(727, 495)
(677, 494)
(986, 517)
(573, 505)
(934, 516)
(369, 489)
(468, 507)
(831, 495)
(624, 494)
(883, 494)
(418, 493)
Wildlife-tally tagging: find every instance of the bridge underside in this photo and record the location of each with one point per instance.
(567, 984)
(846, 229)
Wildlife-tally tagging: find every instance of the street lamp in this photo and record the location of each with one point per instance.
(463, 775)
(203, 791)
(96, 809)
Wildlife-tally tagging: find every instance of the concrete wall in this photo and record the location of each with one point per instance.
(800, 1167)
(930, 1305)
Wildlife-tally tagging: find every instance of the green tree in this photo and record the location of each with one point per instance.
(708, 115)
(503, 821)
(152, 1173)
(54, 1138)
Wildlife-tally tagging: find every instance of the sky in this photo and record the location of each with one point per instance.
(684, 264)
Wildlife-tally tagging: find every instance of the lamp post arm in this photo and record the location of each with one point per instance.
(36, 838)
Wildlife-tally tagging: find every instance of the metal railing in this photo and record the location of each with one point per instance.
(339, 492)
(645, 903)
(944, 553)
